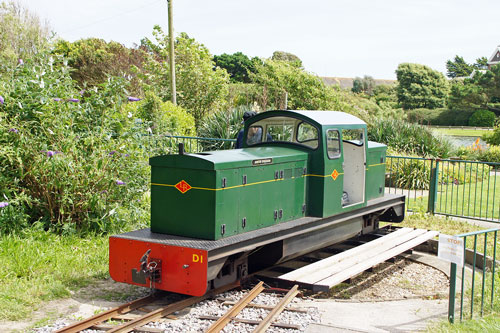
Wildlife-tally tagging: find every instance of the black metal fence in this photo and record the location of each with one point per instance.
(468, 189)
(485, 263)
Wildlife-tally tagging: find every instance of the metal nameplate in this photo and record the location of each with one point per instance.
(262, 161)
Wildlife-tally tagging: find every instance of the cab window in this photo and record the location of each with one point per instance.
(280, 132)
(254, 135)
(333, 143)
(307, 134)
(283, 129)
(354, 136)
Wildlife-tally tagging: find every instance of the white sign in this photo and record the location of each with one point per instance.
(451, 249)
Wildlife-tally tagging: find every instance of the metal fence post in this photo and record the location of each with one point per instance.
(451, 303)
(433, 186)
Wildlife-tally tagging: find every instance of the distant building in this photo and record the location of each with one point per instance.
(495, 58)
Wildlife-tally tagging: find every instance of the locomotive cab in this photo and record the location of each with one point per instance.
(337, 148)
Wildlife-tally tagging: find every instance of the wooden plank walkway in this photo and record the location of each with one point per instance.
(333, 270)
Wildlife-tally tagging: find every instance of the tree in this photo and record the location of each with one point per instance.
(238, 65)
(458, 68)
(480, 91)
(420, 86)
(481, 63)
(94, 59)
(289, 57)
(465, 94)
(200, 88)
(22, 34)
(363, 85)
(281, 80)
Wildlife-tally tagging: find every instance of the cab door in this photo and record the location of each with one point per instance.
(333, 173)
(354, 166)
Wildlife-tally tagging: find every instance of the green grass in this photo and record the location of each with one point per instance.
(437, 223)
(460, 132)
(479, 199)
(40, 266)
(450, 227)
(489, 323)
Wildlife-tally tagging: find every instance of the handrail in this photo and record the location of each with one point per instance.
(197, 138)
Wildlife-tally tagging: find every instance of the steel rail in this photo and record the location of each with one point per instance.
(98, 318)
(233, 312)
(266, 322)
(177, 306)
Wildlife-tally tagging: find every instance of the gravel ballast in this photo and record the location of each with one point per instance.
(403, 279)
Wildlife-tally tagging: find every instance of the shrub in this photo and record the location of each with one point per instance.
(244, 95)
(222, 125)
(408, 174)
(12, 215)
(160, 117)
(93, 60)
(420, 86)
(492, 154)
(414, 174)
(408, 138)
(440, 117)
(459, 173)
(363, 85)
(280, 82)
(61, 160)
(494, 137)
(484, 118)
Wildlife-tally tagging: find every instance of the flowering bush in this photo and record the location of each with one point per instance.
(55, 161)
(491, 154)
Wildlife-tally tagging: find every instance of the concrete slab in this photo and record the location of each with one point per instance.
(392, 316)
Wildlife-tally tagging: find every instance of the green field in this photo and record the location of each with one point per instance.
(460, 132)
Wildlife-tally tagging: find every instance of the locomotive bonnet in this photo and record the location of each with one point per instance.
(303, 180)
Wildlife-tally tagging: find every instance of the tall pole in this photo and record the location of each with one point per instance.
(171, 52)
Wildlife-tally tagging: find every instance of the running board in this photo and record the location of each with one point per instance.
(327, 273)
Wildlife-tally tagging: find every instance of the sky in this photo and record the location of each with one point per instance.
(335, 38)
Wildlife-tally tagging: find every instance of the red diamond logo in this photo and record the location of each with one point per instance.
(183, 186)
(335, 174)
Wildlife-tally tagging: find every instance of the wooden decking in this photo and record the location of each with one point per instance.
(326, 273)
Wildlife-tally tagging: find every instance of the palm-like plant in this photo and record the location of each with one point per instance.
(223, 124)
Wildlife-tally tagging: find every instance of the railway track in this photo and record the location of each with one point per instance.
(245, 301)
(136, 322)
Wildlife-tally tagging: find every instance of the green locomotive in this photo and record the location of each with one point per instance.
(302, 181)
(293, 164)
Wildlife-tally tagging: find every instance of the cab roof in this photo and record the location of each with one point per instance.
(323, 118)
